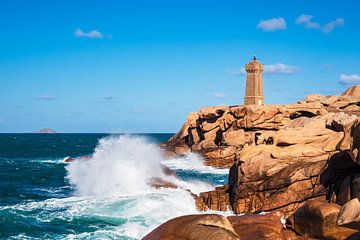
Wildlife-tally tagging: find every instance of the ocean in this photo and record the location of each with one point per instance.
(105, 197)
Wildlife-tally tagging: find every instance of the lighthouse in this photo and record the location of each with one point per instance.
(254, 90)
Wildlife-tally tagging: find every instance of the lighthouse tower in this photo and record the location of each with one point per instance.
(254, 90)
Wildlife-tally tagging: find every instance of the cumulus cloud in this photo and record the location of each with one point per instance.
(272, 24)
(91, 34)
(46, 97)
(279, 68)
(349, 79)
(330, 26)
(306, 21)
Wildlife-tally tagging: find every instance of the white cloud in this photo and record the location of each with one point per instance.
(349, 79)
(272, 24)
(91, 34)
(46, 97)
(330, 26)
(306, 21)
(279, 68)
(218, 95)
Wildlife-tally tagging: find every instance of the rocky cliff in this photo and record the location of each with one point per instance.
(280, 156)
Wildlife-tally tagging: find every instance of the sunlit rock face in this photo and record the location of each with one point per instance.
(279, 156)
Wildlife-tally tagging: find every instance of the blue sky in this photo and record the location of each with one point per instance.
(142, 66)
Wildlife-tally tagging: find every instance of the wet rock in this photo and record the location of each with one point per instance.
(158, 182)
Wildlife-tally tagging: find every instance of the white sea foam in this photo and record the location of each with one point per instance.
(192, 162)
(120, 166)
(114, 183)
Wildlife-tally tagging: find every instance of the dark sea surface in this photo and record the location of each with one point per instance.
(106, 197)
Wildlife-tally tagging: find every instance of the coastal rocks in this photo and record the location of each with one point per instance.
(318, 119)
(353, 91)
(318, 219)
(260, 227)
(338, 121)
(281, 192)
(195, 227)
(280, 156)
(157, 182)
(212, 226)
(351, 141)
(349, 215)
(234, 138)
(214, 200)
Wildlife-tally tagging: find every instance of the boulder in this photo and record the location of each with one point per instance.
(318, 219)
(260, 227)
(349, 215)
(194, 227)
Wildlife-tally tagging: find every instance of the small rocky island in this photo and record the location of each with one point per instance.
(296, 164)
(46, 131)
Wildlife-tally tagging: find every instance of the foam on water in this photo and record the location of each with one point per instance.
(192, 162)
(115, 184)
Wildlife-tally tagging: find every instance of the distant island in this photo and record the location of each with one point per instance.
(46, 130)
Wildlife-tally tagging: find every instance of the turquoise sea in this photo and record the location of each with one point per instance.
(104, 197)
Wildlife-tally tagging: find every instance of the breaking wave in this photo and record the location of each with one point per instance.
(118, 174)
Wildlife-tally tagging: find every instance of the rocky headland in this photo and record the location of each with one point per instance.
(298, 162)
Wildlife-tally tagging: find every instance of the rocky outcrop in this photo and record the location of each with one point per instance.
(318, 219)
(214, 129)
(212, 226)
(218, 199)
(299, 158)
(280, 155)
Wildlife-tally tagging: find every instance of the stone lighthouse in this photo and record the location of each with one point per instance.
(254, 90)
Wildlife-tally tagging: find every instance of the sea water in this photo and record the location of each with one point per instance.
(105, 197)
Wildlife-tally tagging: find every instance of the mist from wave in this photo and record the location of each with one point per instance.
(119, 172)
